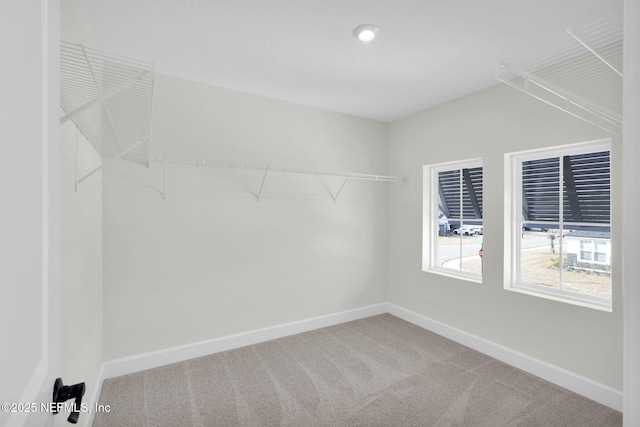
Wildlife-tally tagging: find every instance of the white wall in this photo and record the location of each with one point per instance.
(81, 238)
(81, 263)
(488, 124)
(210, 260)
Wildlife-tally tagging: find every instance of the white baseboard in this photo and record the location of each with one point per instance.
(141, 362)
(593, 390)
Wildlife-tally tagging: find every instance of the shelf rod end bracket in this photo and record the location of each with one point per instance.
(264, 178)
(340, 190)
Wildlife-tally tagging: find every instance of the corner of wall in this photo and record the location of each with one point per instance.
(81, 249)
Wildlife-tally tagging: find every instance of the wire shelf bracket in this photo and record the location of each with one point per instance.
(580, 40)
(103, 97)
(104, 165)
(580, 74)
(339, 191)
(264, 178)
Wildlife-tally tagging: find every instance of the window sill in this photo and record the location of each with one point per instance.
(454, 274)
(586, 301)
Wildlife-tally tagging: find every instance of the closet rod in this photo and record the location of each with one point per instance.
(240, 165)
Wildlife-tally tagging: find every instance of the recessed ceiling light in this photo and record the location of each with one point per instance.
(365, 32)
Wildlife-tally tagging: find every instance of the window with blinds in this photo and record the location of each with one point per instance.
(454, 219)
(561, 223)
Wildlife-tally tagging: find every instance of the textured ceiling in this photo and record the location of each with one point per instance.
(427, 52)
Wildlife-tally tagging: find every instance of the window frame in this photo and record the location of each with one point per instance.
(513, 223)
(431, 211)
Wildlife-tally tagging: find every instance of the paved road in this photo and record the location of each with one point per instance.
(472, 244)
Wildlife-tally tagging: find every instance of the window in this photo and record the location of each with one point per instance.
(453, 219)
(560, 223)
(594, 250)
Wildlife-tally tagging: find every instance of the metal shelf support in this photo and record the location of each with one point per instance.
(103, 97)
(164, 179)
(264, 178)
(340, 190)
(104, 165)
(97, 85)
(587, 46)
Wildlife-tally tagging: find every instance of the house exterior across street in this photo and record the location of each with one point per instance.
(589, 249)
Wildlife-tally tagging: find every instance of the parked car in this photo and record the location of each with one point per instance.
(534, 228)
(469, 230)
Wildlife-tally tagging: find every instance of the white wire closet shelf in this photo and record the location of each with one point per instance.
(269, 168)
(109, 99)
(579, 73)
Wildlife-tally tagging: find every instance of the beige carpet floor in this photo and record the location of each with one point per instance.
(379, 371)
